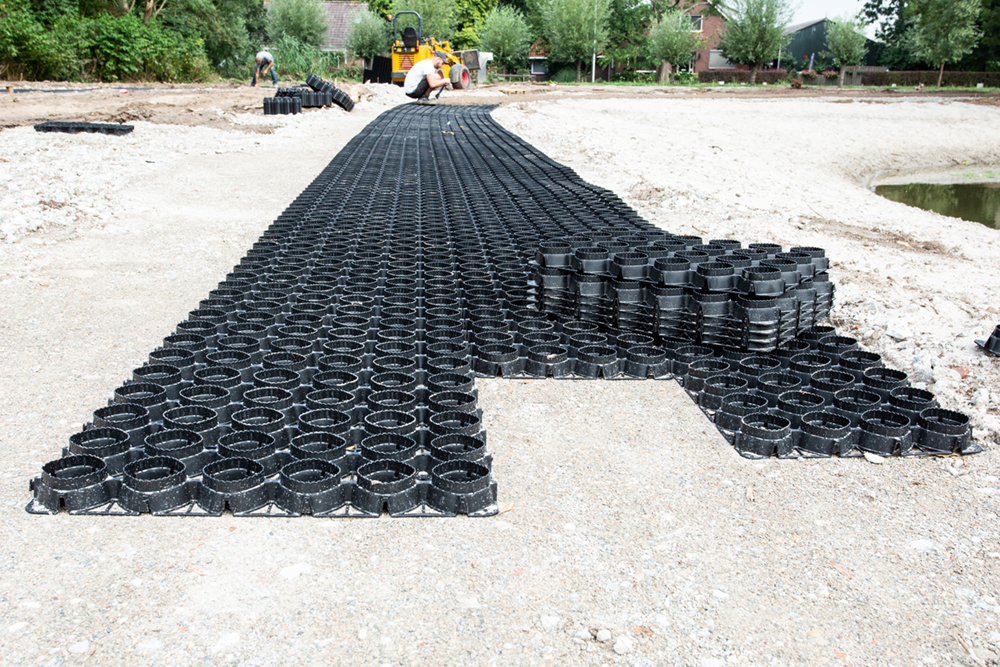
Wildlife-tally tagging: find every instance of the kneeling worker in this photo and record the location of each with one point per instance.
(424, 77)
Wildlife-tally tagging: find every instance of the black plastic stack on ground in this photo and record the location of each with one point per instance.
(332, 372)
(71, 127)
(681, 289)
(282, 106)
(342, 99)
(310, 98)
(381, 71)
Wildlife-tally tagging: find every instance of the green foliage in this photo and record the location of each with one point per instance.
(672, 41)
(628, 26)
(382, 8)
(106, 48)
(945, 30)
(564, 75)
(986, 55)
(630, 75)
(893, 25)
(368, 36)
(438, 17)
(575, 29)
(303, 20)
(123, 48)
(753, 32)
(294, 59)
(533, 14)
(469, 17)
(231, 29)
(845, 42)
(505, 33)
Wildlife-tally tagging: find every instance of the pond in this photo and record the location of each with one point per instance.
(976, 202)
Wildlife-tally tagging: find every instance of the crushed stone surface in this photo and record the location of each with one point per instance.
(631, 533)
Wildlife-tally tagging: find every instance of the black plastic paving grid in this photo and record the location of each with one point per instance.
(73, 127)
(332, 372)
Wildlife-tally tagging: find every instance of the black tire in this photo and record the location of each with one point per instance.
(460, 77)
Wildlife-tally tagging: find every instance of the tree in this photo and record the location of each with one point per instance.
(575, 29)
(505, 33)
(628, 28)
(232, 30)
(672, 41)
(469, 17)
(893, 26)
(753, 32)
(985, 57)
(302, 20)
(945, 30)
(437, 16)
(368, 36)
(846, 43)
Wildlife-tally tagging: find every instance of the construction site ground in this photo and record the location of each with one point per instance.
(630, 531)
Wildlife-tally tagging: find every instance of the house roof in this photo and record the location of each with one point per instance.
(537, 51)
(338, 17)
(801, 26)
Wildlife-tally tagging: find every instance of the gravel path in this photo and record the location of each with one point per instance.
(631, 532)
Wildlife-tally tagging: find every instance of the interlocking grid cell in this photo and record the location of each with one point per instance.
(332, 372)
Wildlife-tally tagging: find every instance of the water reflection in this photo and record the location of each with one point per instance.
(976, 202)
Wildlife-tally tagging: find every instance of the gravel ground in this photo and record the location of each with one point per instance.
(631, 532)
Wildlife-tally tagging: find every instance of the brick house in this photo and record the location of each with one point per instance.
(708, 58)
(711, 28)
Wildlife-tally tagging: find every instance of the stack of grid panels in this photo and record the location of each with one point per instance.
(755, 299)
(342, 99)
(332, 371)
(71, 127)
(282, 106)
(310, 99)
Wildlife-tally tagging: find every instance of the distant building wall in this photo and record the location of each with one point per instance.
(712, 28)
(338, 17)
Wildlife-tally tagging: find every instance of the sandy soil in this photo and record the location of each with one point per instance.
(219, 106)
(632, 533)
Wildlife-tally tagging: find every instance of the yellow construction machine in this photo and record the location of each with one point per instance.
(410, 47)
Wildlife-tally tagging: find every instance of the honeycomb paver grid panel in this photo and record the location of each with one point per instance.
(332, 372)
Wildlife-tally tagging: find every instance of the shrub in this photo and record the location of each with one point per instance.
(743, 76)
(929, 78)
(29, 49)
(505, 33)
(672, 41)
(303, 20)
(368, 36)
(563, 75)
(123, 48)
(295, 59)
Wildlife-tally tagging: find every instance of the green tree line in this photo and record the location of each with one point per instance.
(175, 40)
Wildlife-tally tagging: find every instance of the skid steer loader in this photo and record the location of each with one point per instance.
(410, 47)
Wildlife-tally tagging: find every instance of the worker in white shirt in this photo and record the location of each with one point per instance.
(424, 77)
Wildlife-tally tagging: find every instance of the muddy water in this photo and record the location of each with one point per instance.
(976, 202)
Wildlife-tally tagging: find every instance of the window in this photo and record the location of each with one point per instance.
(696, 21)
(717, 61)
(538, 66)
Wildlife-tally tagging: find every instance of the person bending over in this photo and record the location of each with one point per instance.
(424, 77)
(264, 64)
